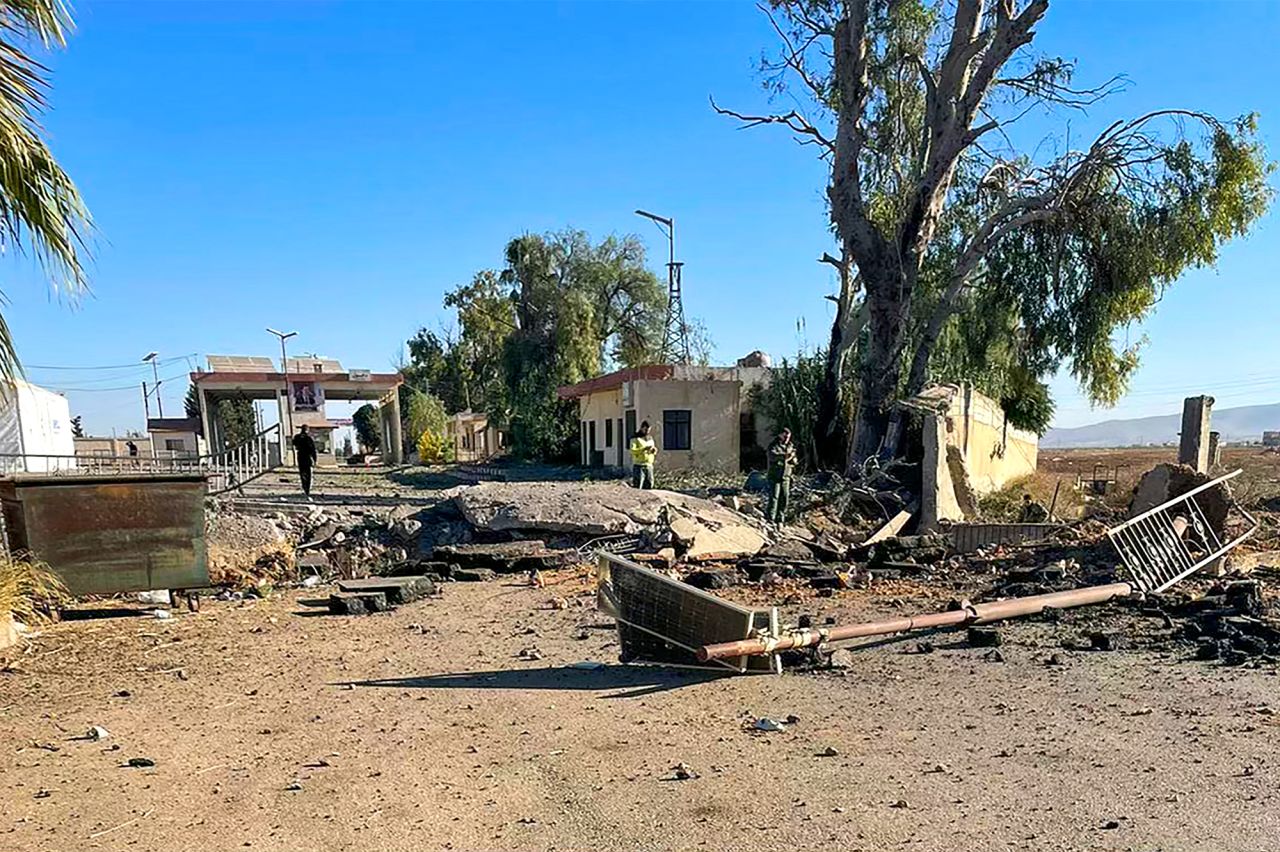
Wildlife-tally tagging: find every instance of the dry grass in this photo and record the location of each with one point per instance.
(251, 566)
(29, 589)
(1006, 504)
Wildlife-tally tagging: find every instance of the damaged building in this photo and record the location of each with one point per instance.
(702, 417)
(967, 448)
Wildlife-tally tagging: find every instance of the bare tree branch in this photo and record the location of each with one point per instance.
(793, 120)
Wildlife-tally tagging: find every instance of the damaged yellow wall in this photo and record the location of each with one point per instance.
(995, 453)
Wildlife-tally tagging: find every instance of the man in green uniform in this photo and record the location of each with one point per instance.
(782, 458)
(643, 452)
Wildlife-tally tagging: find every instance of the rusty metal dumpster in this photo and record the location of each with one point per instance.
(108, 534)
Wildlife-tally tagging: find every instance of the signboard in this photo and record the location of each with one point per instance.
(306, 396)
(360, 375)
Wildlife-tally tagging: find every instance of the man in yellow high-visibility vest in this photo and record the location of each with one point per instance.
(643, 452)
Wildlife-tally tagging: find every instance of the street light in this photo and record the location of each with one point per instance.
(284, 368)
(675, 337)
(670, 232)
(155, 371)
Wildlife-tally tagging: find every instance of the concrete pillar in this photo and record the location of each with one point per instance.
(391, 417)
(206, 418)
(937, 492)
(1215, 450)
(1193, 447)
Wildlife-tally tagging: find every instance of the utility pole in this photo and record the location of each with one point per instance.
(155, 372)
(675, 338)
(146, 405)
(288, 401)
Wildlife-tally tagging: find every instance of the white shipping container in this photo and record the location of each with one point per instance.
(35, 423)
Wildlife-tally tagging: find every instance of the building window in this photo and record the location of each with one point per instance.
(174, 444)
(608, 433)
(676, 429)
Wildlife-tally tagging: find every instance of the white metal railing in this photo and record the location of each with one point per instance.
(234, 467)
(226, 470)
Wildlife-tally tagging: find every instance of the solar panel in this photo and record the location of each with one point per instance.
(315, 364)
(661, 620)
(240, 364)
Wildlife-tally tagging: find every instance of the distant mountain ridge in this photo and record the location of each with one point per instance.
(1246, 423)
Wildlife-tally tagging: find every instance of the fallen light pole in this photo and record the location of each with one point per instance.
(662, 620)
(965, 615)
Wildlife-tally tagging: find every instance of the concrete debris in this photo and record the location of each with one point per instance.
(1165, 482)
(509, 557)
(705, 528)
(357, 603)
(397, 590)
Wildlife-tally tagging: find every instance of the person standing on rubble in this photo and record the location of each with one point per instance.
(782, 459)
(643, 452)
(304, 448)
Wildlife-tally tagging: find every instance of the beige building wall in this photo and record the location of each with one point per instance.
(91, 446)
(602, 408)
(714, 407)
(995, 452)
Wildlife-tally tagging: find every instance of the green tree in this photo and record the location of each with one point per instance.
(486, 317)
(77, 426)
(562, 309)
(790, 401)
(237, 421)
(368, 427)
(191, 402)
(40, 207)
(425, 413)
(937, 212)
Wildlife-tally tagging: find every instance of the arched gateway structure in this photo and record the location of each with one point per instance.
(300, 394)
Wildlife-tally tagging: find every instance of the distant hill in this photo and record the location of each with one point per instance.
(1236, 424)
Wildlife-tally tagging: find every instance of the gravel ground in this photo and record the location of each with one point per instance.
(272, 727)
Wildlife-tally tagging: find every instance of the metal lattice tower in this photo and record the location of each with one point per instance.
(675, 340)
(675, 337)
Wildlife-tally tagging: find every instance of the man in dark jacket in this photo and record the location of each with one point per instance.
(304, 448)
(782, 459)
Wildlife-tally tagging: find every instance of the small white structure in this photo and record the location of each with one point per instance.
(35, 429)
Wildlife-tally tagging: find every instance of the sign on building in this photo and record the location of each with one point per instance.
(360, 376)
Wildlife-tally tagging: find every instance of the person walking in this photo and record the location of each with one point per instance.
(782, 459)
(643, 452)
(304, 448)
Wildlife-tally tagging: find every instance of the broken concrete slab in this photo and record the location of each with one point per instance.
(601, 508)
(398, 590)
(357, 603)
(508, 557)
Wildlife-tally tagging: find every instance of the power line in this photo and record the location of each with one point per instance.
(119, 388)
(108, 366)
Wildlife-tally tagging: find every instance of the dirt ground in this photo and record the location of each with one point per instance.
(423, 729)
(273, 726)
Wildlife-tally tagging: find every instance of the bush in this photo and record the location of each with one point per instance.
(434, 448)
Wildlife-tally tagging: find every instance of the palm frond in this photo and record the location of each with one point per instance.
(41, 210)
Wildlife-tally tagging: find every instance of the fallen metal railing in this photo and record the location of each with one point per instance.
(1175, 539)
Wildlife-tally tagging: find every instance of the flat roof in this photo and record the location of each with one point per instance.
(337, 386)
(609, 381)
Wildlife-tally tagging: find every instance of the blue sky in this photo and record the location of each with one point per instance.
(336, 167)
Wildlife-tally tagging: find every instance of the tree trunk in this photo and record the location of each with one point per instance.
(919, 374)
(889, 303)
(831, 432)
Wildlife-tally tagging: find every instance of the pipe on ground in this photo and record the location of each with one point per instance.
(968, 614)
